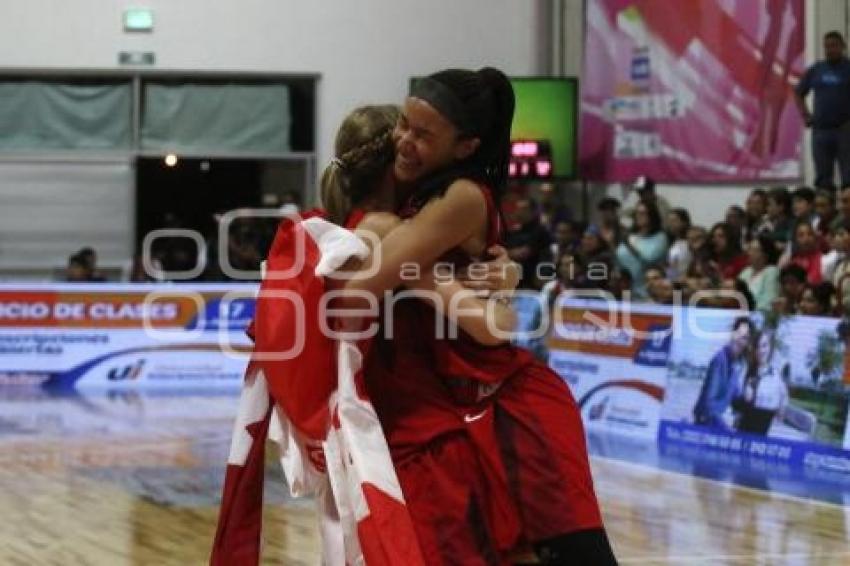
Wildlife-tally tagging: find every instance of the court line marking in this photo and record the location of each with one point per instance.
(763, 492)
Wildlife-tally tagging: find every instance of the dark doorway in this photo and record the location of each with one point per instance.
(189, 193)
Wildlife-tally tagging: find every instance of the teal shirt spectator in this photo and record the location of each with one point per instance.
(764, 285)
(641, 252)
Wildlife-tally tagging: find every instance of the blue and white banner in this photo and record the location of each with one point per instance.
(767, 386)
(615, 365)
(64, 336)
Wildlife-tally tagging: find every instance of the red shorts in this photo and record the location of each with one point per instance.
(487, 442)
(516, 473)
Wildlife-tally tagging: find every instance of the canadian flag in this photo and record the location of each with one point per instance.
(305, 391)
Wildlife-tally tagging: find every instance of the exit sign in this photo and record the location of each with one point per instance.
(138, 19)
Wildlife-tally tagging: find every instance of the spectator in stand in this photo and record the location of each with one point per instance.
(653, 273)
(645, 246)
(830, 258)
(567, 238)
(698, 241)
(806, 252)
(726, 253)
(90, 257)
(679, 255)
(528, 243)
(178, 253)
(571, 277)
(82, 267)
(778, 218)
(658, 287)
(761, 275)
(245, 243)
(843, 208)
(830, 81)
(77, 270)
(840, 275)
(695, 283)
(737, 219)
(552, 208)
(610, 228)
(825, 213)
(701, 273)
(792, 281)
(620, 283)
(816, 300)
(756, 209)
(803, 207)
(643, 190)
(663, 292)
(597, 257)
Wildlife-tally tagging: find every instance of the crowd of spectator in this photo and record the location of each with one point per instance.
(786, 251)
(181, 258)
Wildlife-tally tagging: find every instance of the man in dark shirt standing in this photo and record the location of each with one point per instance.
(830, 123)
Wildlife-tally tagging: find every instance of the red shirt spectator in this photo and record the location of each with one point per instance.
(807, 253)
(725, 250)
(731, 268)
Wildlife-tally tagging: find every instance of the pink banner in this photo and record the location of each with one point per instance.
(691, 91)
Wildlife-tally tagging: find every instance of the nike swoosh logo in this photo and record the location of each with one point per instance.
(473, 418)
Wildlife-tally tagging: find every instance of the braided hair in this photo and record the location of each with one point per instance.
(481, 106)
(363, 150)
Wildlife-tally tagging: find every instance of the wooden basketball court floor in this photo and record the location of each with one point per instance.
(126, 478)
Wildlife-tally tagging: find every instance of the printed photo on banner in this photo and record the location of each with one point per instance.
(771, 376)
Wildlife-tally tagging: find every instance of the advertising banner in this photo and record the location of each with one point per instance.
(755, 385)
(616, 365)
(75, 336)
(696, 91)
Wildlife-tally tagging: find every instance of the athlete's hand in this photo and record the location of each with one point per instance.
(496, 274)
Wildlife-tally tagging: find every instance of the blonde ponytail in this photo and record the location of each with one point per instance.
(334, 194)
(363, 151)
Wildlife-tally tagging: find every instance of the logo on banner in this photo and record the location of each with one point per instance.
(126, 373)
(655, 351)
(597, 410)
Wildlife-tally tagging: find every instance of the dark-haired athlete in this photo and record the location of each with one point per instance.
(487, 442)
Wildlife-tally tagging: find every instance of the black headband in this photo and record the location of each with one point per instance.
(445, 102)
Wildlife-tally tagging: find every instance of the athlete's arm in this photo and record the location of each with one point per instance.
(441, 225)
(487, 322)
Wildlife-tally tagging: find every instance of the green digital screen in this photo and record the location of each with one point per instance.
(546, 110)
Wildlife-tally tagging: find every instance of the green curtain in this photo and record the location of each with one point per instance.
(210, 117)
(51, 115)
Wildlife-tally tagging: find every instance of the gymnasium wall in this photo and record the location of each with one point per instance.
(365, 51)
